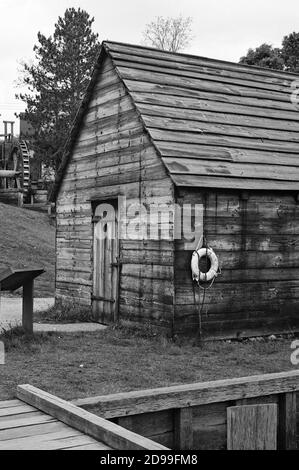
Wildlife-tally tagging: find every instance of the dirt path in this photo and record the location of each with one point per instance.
(68, 327)
(11, 315)
(11, 309)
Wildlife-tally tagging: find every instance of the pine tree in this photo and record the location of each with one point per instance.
(56, 82)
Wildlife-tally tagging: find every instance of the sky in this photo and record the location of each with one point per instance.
(222, 29)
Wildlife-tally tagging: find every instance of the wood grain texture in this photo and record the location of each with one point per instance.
(223, 67)
(24, 427)
(288, 421)
(182, 396)
(255, 241)
(252, 427)
(204, 422)
(29, 419)
(112, 156)
(194, 101)
(157, 125)
(209, 426)
(229, 111)
(53, 441)
(9, 403)
(81, 420)
(183, 428)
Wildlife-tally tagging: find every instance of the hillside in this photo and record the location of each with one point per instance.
(27, 238)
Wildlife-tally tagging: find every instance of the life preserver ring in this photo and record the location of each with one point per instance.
(197, 275)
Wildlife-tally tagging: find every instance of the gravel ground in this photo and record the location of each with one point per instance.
(11, 315)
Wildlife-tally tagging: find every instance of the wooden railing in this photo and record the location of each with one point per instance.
(98, 428)
(195, 416)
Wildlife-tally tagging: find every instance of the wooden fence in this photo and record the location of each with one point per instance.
(195, 416)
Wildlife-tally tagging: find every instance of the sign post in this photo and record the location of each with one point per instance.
(12, 279)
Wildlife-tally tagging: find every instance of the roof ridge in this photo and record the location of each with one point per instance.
(184, 54)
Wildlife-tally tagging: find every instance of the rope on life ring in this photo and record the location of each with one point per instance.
(213, 272)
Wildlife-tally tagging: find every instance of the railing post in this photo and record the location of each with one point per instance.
(183, 428)
(287, 438)
(252, 427)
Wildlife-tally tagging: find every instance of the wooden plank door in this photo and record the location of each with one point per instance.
(105, 264)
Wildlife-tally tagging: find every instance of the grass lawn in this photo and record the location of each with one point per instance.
(65, 313)
(28, 239)
(118, 360)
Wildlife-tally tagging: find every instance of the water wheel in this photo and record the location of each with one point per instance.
(17, 166)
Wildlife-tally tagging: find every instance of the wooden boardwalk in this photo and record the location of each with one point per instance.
(40, 421)
(23, 427)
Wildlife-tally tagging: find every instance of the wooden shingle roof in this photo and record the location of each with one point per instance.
(214, 123)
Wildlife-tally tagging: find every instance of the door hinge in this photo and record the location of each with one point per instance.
(117, 263)
(102, 299)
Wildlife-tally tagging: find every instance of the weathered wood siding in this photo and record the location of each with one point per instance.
(255, 236)
(113, 156)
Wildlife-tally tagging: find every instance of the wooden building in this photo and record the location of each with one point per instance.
(158, 126)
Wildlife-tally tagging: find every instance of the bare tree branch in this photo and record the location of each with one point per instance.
(169, 34)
